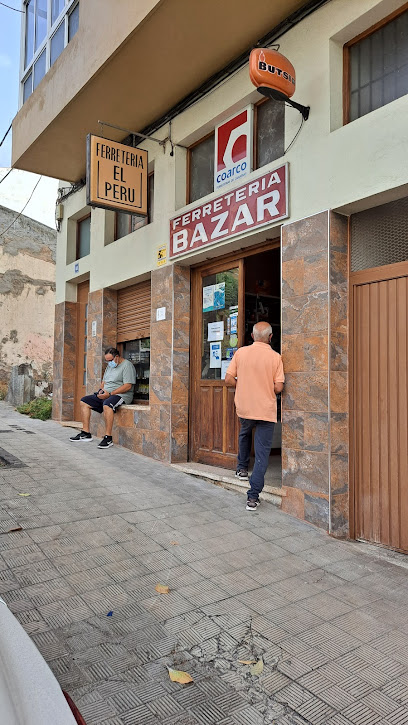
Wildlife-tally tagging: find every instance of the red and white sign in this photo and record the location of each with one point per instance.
(260, 202)
(233, 148)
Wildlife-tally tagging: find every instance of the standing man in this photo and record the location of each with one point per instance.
(116, 388)
(256, 371)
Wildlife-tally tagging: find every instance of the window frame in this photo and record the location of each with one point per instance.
(78, 221)
(188, 170)
(52, 28)
(346, 58)
(136, 400)
(148, 217)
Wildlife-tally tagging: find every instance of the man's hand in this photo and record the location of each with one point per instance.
(230, 381)
(103, 396)
(278, 387)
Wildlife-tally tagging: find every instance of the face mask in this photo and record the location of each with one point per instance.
(112, 364)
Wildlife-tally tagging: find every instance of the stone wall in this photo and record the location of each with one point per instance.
(27, 297)
(314, 349)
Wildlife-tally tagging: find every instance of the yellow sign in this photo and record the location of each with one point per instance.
(116, 176)
(162, 255)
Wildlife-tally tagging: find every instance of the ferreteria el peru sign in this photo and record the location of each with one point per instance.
(258, 203)
(116, 176)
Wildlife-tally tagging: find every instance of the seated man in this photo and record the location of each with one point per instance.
(116, 388)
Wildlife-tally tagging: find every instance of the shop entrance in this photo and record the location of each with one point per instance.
(228, 298)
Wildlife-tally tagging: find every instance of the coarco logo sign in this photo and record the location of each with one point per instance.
(260, 202)
(233, 148)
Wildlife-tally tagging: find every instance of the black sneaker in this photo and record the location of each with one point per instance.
(242, 474)
(106, 442)
(81, 437)
(252, 505)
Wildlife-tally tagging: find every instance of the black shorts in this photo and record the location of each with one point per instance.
(114, 401)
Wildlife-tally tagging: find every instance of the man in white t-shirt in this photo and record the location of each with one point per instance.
(116, 388)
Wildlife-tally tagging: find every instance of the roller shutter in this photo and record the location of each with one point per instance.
(134, 310)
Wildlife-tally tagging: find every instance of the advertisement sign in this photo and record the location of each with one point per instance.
(116, 176)
(233, 148)
(258, 203)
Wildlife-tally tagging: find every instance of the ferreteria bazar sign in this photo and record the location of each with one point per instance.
(258, 203)
(116, 176)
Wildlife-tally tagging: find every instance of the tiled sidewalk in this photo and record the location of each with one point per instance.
(102, 528)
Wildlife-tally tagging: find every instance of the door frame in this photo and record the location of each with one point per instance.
(79, 340)
(217, 264)
(365, 276)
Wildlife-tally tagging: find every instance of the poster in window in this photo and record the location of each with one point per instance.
(215, 354)
(215, 331)
(214, 297)
(224, 367)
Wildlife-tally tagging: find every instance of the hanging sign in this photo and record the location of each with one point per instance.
(116, 176)
(258, 203)
(233, 148)
(270, 69)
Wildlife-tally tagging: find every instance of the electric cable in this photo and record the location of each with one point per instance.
(10, 8)
(5, 135)
(20, 213)
(6, 175)
(295, 137)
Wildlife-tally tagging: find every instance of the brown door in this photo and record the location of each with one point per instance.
(379, 402)
(217, 331)
(81, 345)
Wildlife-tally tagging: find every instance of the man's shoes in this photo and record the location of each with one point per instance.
(252, 505)
(81, 437)
(106, 442)
(242, 474)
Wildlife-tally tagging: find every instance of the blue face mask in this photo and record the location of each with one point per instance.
(112, 364)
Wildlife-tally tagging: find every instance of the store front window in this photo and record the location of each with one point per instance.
(138, 352)
(220, 322)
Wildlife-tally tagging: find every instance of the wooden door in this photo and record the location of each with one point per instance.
(217, 300)
(379, 405)
(81, 345)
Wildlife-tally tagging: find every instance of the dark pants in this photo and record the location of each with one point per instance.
(262, 444)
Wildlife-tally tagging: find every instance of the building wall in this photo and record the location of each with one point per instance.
(27, 297)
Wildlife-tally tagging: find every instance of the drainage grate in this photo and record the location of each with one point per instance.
(17, 429)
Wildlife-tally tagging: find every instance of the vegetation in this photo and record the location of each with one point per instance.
(39, 408)
(3, 390)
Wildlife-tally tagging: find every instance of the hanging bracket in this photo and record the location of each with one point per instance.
(279, 96)
(135, 135)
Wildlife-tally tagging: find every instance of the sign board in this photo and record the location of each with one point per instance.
(76, 268)
(269, 68)
(233, 148)
(160, 313)
(93, 328)
(162, 255)
(258, 203)
(116, 176)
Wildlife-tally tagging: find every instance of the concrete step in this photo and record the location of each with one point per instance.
(226, 478)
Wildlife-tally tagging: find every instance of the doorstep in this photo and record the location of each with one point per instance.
(226, 478)
(70, 424)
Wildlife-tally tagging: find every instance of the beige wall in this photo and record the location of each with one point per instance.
(27, 297)
(323, 172)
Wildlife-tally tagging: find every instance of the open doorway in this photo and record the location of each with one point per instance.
(228, 297)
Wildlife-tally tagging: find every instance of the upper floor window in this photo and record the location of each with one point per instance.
(269, 140)
(127, 223)
(376, 67)
(49, 26)
(83, 246)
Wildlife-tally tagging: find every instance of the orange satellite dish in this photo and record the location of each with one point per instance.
(269, 68)
(274, 76)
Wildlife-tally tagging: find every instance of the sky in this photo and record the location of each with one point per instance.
(16, 189)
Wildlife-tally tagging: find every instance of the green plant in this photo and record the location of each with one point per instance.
(3, 390)
(39, 408)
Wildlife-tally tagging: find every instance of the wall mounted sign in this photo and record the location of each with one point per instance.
(116, 176)
(268, 67)
(162, 255)
(93, 328)
(233, 148)
(160, 314)
(260, 202)
(76, 267)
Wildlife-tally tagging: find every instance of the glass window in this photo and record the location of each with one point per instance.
(127, 223)
(40, 22)
(39, 69)
(57, 7)
(220, 305)
(73, 22)
(28, 87)
(270, 132)
(29, 40)
(57, 44)
(378, 68)
(83, 237)
(123, 224)
(201, 164)
(138, 352)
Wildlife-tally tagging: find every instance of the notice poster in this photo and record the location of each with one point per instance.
(214, 297)
(224, 368)
(215, 354)
(234, 322)
(215, 331)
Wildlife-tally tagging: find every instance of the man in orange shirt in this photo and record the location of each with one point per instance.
(257, 374)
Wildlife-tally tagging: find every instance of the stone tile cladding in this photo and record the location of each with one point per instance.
(160, 430)
(314, 347)
(64, 361)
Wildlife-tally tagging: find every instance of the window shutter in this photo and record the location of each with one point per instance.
(134, 310)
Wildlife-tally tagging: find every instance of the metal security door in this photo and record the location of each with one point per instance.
(380, 404)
